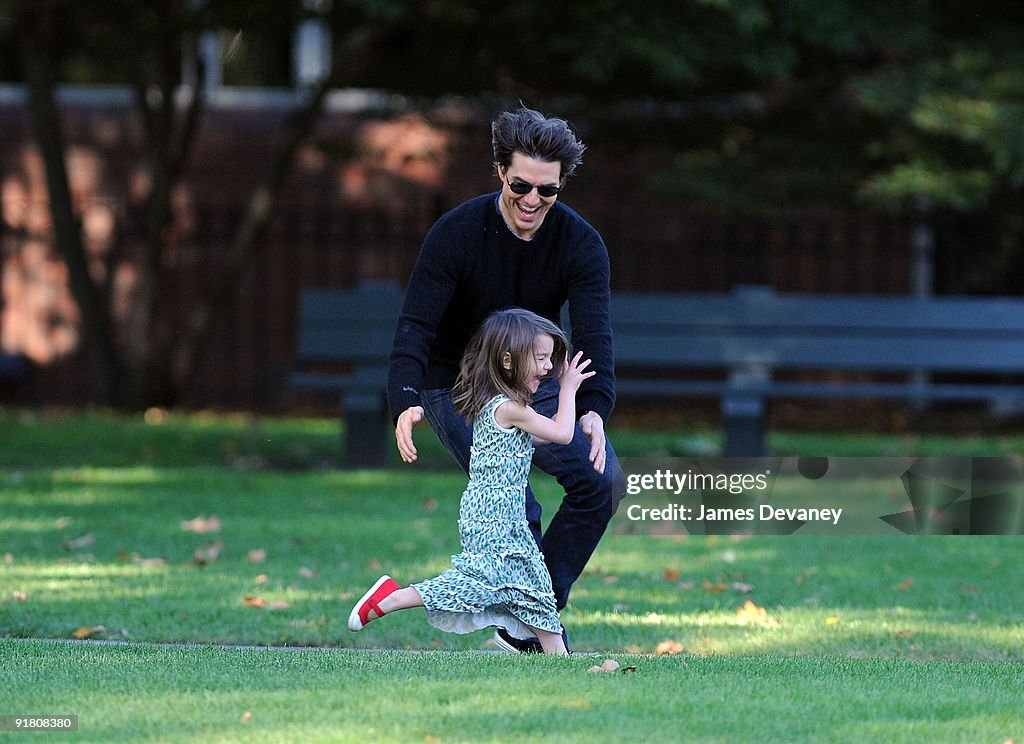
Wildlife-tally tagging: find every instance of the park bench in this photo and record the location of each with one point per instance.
(744, 348)
(753, 344)
(13, 367)
(344, 342)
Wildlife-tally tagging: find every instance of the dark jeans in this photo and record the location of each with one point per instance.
(590, 497)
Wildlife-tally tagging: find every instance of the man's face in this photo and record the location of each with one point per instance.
(524, 213)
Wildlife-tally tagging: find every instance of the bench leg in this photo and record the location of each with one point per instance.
(367, 431)
(744, 426)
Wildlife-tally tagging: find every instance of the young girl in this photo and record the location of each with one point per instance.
(499, 578)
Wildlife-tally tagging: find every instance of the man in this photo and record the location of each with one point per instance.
(520, 247)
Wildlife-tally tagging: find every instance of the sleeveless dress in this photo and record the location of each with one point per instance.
(499, 578)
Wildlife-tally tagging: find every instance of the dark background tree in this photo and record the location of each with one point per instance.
(749, 106)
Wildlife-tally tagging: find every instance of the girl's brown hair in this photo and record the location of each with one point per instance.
(483, 375)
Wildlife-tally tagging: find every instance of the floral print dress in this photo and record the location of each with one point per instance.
(499, 578)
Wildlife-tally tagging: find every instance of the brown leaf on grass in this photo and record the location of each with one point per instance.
(265, 604)
(904, 634)
(202, 525)
(609, 665)
(208, 553)
(257, 556)
(262, 579)
(149, 561)
(718, 586)
(79, 542)
(19, 596)
(672, 575)
(668, 648)
(750, 611)
(904, 585)
(373, 564)
(430, 505)
(88, 630)
(9, 559)
(246, 717)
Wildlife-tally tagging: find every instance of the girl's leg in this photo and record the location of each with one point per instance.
(382, 598)
(552, 643)
(403, 599)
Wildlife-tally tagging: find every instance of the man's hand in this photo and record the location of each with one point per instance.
(592, 425)
(403, 432)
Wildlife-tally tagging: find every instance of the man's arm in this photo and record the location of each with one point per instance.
(430, 289)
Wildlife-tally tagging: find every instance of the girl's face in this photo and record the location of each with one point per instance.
(540, 364)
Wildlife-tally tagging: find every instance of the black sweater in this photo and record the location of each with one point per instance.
(470, 265)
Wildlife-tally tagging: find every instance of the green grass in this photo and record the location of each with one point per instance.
(143, 693)
(874, 637)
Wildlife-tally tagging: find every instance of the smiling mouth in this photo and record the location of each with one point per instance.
(527, 212)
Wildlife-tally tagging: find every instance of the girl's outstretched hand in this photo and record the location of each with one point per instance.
(573, 373)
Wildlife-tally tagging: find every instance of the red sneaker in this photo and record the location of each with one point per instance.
(359, 616)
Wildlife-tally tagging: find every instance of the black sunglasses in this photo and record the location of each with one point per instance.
(522, 188)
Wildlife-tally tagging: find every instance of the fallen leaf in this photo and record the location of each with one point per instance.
(19, 596)
(904, 585)
(266, 604)
(88, 630)
(750, 611)
(149, 561)
(373, 564)
(246, 717)
(714, 588)
(831, 620)
(262, 579)
(672, 575)
(9, 559)
(806, 575)
(609, 580)
(904, 634)
(668, 648)
(79, 542)
(429, 505)
(208, 553)
(202, 525)
(62, 522)
(258, 555)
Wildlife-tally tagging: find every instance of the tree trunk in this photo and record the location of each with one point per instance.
(245, 241)
(34, 21)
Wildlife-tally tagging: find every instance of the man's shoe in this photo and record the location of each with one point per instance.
(504, 641)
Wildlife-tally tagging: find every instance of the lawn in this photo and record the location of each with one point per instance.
(234, 530)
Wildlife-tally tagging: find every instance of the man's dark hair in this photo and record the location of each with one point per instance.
(536, 136)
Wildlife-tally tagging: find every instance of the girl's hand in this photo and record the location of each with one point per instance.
(572, 372)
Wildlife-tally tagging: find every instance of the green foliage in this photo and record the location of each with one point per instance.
(956, 132)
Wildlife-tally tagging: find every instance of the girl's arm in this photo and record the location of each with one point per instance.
(560, 427)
